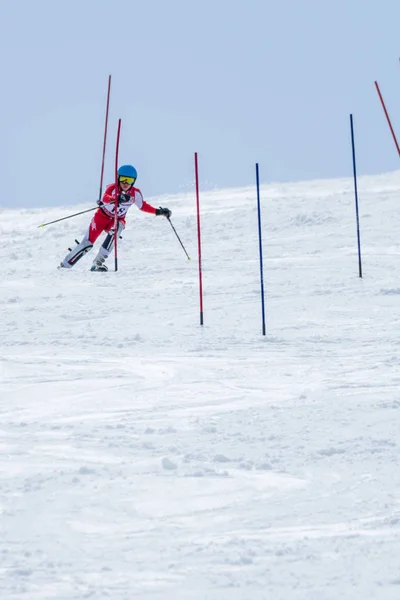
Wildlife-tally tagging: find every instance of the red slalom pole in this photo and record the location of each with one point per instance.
(387, 117)
(105, 137)
(196, 170)
(116, 198)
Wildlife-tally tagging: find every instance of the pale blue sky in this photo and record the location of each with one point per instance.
(238, 82)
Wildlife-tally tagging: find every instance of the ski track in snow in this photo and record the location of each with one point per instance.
(142, 456)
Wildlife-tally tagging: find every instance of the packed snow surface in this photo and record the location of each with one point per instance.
(144, 456)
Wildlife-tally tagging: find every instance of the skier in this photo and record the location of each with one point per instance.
(103, 219)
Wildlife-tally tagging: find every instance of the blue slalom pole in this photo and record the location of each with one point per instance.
(356, 196)
(260, 245)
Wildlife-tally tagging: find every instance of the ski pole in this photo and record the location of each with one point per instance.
(69, 217)
(179, 239)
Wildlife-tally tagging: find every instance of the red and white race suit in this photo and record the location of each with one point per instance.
(103, 219)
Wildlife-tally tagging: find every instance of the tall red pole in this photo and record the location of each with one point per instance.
(116, 198)
(196, 169)
(387, 117)
(105, 138)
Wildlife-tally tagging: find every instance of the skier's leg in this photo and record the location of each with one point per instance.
(107, 246)
(76, 253)
(97, 225)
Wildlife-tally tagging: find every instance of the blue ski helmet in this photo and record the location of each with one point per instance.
(127, 171)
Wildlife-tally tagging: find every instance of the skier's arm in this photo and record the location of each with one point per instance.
(108, 197)
(148, 208)
(142, 205)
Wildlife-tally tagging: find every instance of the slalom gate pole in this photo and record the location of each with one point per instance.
(69, 216)
(196, 170)
(116, 198)
(105, 138)
(102, 163)
(180, 241)
(356, 196)
(387, 117)
(260, 249)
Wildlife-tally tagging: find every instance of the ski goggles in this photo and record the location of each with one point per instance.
(130, 180)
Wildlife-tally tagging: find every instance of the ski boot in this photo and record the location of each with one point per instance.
(99, 265)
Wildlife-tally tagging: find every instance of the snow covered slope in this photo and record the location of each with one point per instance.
(142, 456)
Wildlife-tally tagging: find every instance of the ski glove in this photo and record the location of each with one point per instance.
(99, 203)
(123, 197)
(163, 211)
